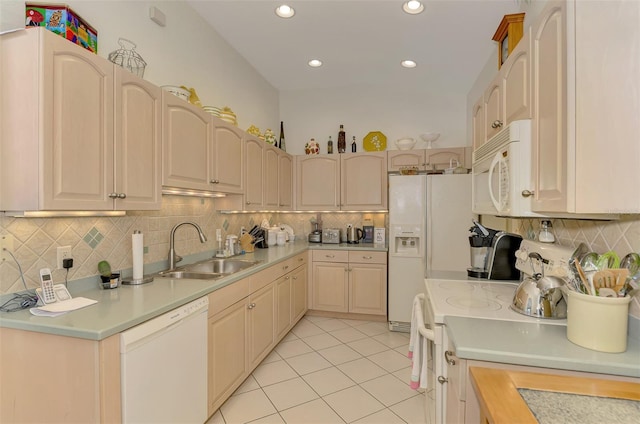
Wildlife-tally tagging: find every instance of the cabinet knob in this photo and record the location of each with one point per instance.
(215, 181)
(285, 267)
(447, 354)
(294, 278)
(442, 380)
(122, 196)
(527, 193)
(113, 195)
(496, 124)
(300, 259)
(251, 305)
(248, 202)
(286, 278)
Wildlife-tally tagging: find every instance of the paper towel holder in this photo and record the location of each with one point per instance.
(131, 282)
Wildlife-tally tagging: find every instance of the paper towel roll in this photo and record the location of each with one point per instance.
(137, 248)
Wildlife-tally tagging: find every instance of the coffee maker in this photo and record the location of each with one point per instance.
(493, 253)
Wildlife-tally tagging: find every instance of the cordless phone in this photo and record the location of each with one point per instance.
(48, 296)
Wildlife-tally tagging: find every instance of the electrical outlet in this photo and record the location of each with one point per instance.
(6, 242)
(64, 252)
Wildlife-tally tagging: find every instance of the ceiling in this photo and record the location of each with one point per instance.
(360, 42)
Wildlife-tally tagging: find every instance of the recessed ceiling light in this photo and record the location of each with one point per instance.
(314, 63)
(408, 63)
(285, 11)
(413, 7)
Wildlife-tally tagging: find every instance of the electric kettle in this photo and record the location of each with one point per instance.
(354, 235)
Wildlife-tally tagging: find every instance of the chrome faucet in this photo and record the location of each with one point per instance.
(173, 257)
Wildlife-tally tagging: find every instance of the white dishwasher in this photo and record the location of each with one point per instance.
(164, 367)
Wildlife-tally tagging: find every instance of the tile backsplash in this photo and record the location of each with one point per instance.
(93, 239)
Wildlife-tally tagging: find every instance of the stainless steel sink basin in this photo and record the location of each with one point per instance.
(220, 265)
(192, 275)
(210, 269)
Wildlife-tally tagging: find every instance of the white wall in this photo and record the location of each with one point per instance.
(187, 51)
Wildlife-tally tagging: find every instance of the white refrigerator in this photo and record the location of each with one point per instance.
(429, 221)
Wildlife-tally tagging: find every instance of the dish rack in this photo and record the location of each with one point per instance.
(128, 58)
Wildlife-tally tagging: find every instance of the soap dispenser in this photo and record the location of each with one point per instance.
(546, 232)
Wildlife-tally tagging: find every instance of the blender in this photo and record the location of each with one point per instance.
(480, 239)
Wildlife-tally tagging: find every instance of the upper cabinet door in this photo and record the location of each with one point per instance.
(318, 182)
(186, 144)
(254, 169)
(479, 123)
(77, 127)
(549, 142)
(270, 183)
(494, 119)
(228, 150)
(364, 181)
(285, 181)
(397, 159)
(138, 127)
(516, 82)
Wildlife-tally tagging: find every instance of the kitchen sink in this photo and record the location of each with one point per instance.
(210, 269)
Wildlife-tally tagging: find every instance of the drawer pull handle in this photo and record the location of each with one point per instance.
(367, 257)
(300, 259)
(527, 193)
(330, 256)
(285, 267)
(447, 355)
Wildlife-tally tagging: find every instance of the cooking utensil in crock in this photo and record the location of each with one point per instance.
(540, 298)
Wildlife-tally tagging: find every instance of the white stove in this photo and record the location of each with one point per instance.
(483, 299)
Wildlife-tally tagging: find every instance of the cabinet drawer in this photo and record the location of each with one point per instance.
(228, 295)
(367, 256)
(330, 256)
(299, 260)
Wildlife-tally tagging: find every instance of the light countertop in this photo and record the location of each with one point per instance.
(537, 345)
(126, 306)
(347, 246)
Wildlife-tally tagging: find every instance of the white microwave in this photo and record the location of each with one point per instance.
(502, 172)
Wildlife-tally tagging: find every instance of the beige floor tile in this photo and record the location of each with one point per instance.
(306, 328)
(383, 417)
(292, 348)
(404, 375)
(332, 324)
(272, 357)
(354, 322)
(249, 384)
(388, 389)
(339, 354)
(347, 335)
(308, 363)
(411, 410)
(315, 319)
(328, 381)
(390, 360)
(271, 419)
(290, 393)
(393, 339)
(367, 346)
(403, 350)
(373, 328)
(361, 370)
(246, 407)
(289, 337)
(216, 418)
(274, 372)
(314, 412)
(321, 341)
(353, 403)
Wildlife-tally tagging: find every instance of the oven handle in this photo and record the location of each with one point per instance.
(428, 333)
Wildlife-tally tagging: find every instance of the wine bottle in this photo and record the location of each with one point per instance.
(330, 146)
(353, 144)
(342, 142)
(282, 143)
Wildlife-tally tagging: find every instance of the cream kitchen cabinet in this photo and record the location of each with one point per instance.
(428, 159)
(78, 132)
(228, 152)
(254, 173)
(187, 140)
(262, 318)
(349, 281)
(349, 181)
(270, 183)
(508, 96)
(285, 181)
(82, 384)
(584, 108)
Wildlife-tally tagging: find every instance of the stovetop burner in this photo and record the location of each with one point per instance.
(468, 303)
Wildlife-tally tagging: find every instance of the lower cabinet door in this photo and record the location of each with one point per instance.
(283, 305)
(261, 324)
(298, 293)
(330, 287)
(227, 353)
(368, 289)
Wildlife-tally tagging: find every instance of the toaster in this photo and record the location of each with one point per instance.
(331, 235)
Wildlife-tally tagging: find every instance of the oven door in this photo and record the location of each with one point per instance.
(491, 184)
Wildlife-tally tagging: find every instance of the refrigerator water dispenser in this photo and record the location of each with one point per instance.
(407, 245)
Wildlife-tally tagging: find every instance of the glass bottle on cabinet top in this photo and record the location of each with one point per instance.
(342, 140)
(353, 145)
(330, 146)
(282, 144)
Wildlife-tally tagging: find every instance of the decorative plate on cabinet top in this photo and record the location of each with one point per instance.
(375, 141)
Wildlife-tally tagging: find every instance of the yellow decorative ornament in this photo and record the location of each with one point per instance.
(193, 97)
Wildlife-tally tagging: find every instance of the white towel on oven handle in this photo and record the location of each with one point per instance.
(418, 342)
